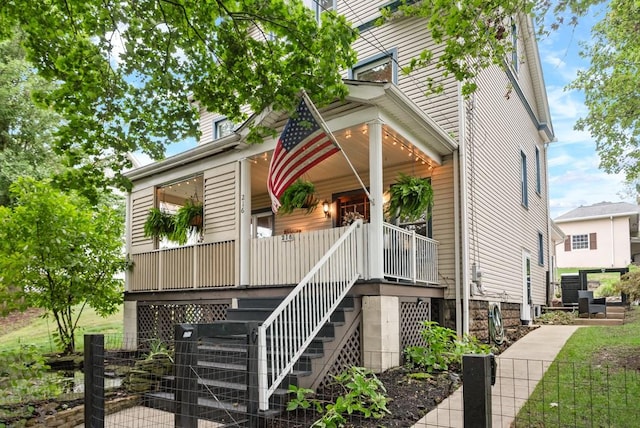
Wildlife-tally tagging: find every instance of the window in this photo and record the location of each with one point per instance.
(262, 224)
(380, 68)
(580, 242)
(538, 176)
(222, 128)
(523, 179)
(323, 6)
(540, 249)
(514, 45)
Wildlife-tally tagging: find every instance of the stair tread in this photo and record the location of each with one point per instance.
(222, 405)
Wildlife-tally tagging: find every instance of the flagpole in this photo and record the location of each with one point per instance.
(316, 113)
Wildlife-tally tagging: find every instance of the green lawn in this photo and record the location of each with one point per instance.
(40, 331)
(588, 385)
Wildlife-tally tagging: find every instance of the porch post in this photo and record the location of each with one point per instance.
(245, 222)
(376, 255)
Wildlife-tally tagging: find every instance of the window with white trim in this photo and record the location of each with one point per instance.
(523, 179)
(538, 172)
(222, 128)
(262, 224)
(540, 249)
(323, 6)
(580, 242)
(379, 69)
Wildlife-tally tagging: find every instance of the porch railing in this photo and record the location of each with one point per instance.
(291, 327)
(193, 266)
(409, 256)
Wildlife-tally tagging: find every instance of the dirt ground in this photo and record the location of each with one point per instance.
(16, 320)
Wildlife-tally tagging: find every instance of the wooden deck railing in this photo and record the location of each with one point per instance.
(193, 266)
(279, 260)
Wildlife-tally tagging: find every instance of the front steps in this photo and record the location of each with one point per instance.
(615, 316)
(216, 376)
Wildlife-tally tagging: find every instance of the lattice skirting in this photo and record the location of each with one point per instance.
(412, 314)
(350, 355)
(156, 321)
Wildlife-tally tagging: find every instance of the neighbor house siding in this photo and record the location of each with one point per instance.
(613, 247)
(500, 227)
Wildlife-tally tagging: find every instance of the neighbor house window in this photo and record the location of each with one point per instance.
(222, 128)
(580, 242)
(523, 179)
(380, 68)
(540, 249)
(538, 173)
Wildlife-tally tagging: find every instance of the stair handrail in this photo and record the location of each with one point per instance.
(298, 319)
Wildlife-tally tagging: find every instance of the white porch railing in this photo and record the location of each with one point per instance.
(298, 319)
(409, 256)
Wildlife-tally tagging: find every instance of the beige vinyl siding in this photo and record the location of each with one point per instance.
(524, 76)
(500, 228)
(220, 203)
(409, 37)
(443, 217)
(360, 12)
(141, 202)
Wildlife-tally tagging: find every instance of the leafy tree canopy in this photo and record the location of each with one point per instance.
(611, 86)
(127, 71)
(60, 253)
(25, 128)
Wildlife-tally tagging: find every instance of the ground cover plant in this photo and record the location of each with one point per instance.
(594, 381)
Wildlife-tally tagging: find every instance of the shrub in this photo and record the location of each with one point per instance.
(556, 318)
(443, 348)
(630, 284)
(364, 394)
(25, 376)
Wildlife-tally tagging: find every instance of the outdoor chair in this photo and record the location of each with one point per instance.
(587, 304)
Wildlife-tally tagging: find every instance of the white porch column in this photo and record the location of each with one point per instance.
(376, 255)
(380, 332)
(245, 222)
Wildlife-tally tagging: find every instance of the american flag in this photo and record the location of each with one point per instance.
(303, 144)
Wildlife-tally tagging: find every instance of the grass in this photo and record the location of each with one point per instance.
(40, 331)
(588, 384)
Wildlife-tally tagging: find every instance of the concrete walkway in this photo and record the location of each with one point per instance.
(519, 369)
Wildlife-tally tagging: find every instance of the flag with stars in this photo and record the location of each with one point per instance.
(303, 144)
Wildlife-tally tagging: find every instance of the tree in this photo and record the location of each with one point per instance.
(128, 71)
(611, 86)
(630, 284)
(60, 253)
(25, 128)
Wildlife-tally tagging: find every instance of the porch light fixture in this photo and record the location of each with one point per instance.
(326, 209)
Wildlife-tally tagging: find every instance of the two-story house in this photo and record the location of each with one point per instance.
(599, 235)
(486, 241)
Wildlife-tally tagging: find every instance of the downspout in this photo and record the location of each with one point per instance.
(464, 215)
(456, 240)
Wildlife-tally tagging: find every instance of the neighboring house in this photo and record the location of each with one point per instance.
(599, 235)
(487, 241)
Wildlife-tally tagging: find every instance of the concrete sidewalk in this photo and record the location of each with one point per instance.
(519, 369)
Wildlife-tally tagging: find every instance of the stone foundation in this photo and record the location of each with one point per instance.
(479, 320)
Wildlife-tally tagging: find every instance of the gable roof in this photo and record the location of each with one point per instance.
(599, 210)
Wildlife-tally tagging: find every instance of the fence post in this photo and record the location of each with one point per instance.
(476, 391)
(186, 386)
(253, 395)
(93, 368)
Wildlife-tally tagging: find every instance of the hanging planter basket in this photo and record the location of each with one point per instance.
(301, 194)
(410, 197)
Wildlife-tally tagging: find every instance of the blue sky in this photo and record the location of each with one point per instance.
(574, 176)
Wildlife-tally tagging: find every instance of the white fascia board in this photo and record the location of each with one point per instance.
(597, 217)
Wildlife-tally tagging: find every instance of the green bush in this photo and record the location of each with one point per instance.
(443, 348)
(556, 318)
(606, 290)
(25, 376)
(364, 394)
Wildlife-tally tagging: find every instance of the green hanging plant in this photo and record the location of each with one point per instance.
(301, 194)
(159, 224)
(187, 217)
(410, 197)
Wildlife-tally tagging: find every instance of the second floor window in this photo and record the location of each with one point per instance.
(222, 128)
(523, 179)
(538, 172)
(323, 6)
(380, 69)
